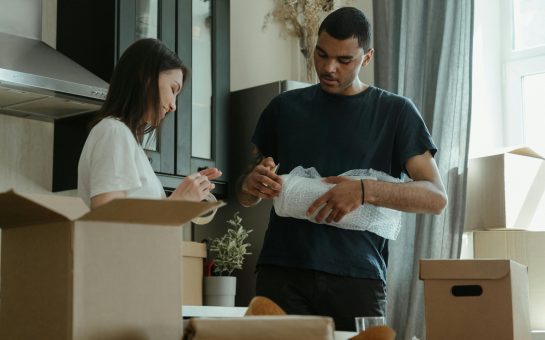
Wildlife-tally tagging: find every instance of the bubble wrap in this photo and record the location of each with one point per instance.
(301, 187)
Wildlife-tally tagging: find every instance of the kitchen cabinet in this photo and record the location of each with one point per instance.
(96, 33)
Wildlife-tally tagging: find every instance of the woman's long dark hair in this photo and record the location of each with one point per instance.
(134, 87)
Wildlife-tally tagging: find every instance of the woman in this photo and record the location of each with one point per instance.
(143, 90)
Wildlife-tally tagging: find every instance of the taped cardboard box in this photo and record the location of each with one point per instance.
(524, 247)
(286, 327)
(475, 299)
(506, 190)
(111, 273)
(193, 255)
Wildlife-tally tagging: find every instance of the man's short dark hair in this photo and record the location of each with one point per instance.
(346, 23)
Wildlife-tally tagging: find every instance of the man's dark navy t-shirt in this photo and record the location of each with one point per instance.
(309, 127)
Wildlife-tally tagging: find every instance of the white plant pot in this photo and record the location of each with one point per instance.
(220, 290)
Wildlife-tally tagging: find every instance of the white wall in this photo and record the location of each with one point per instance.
(21, 17)
(26, 154)
(367, 74)
(258, 56)
(261, 56)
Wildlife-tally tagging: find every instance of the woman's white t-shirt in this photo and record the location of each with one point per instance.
(112, 160)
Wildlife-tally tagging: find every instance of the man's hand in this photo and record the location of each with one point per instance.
(343, 198)
(262, 181)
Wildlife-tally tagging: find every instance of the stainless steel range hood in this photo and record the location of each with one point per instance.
(37, 81)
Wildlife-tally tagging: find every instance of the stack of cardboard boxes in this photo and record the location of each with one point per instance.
(497, 289)
(505, 217)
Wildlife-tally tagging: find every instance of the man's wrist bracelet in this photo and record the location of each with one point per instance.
(362, 192)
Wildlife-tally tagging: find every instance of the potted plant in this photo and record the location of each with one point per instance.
(227, 254)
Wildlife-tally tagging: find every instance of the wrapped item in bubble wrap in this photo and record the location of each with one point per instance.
(301, 187)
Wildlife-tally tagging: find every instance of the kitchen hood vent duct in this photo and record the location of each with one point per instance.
(39, 82)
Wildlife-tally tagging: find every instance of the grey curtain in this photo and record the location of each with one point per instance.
(423, 51)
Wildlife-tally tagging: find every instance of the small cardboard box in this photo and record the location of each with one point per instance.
(524, 247)
(111, 273)
(285, 327)
(475, 299)
(193, 255)
(506, 190)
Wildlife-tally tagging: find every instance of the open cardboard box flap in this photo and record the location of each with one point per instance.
(524, 151)
(27, 209)
(148, 211)
(24, 209)
(520, 150)
(464, 270)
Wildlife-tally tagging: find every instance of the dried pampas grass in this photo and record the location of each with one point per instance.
(301, 19)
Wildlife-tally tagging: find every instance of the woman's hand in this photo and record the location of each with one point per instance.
(197, 186)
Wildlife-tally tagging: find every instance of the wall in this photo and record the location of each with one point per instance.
(367, 75)
(26, 154)
(23, 17)
(258, 56)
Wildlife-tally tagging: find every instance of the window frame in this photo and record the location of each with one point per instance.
(516, 65)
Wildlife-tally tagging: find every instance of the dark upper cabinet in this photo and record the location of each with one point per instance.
(95, 34)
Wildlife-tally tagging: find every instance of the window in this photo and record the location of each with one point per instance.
(527, 27)
(509, 75)
(201, 118)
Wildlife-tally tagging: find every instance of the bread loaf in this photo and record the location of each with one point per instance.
(261, 305)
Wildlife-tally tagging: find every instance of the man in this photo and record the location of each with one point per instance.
(335, 126)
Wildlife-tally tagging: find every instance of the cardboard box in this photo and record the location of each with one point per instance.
(475, 299)
(193, 255)
(286, 327)
(111, 273)
(506, 190)
(524, 247)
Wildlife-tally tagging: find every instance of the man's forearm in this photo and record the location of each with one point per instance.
(245, 199)
(417, 196)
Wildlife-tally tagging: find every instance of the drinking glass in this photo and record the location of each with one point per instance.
(366, 322)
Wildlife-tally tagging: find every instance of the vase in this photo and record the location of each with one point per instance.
(220, 290)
